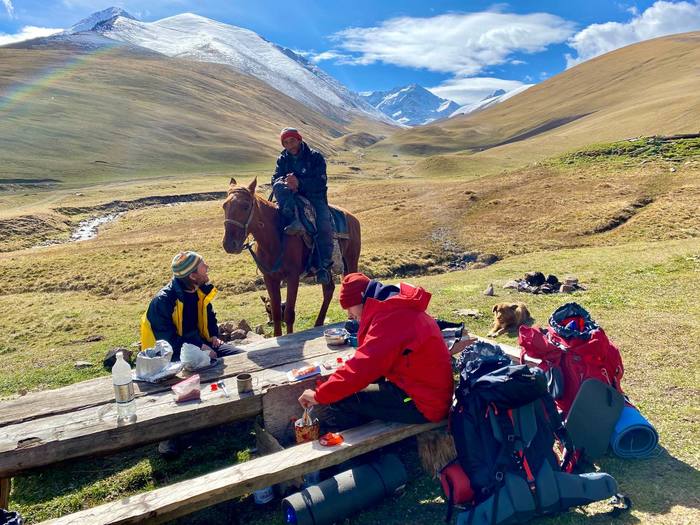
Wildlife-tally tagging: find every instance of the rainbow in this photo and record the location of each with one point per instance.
(16, 95)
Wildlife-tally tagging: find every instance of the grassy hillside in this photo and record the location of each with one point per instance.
(114, 114)
(644, 89)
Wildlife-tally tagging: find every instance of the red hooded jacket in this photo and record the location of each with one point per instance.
(399, 341)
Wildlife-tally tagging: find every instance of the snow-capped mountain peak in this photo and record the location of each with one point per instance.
(411, 105)
(95, 19)
(198, 38)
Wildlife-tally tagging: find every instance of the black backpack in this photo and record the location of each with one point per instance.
(505, 425)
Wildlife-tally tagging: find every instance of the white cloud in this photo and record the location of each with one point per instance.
(458, 43)
(662, 18)
(332, 54)
(27, 33)
(470, 90)
(9, 7)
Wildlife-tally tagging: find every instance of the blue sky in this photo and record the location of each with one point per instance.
(459, 50)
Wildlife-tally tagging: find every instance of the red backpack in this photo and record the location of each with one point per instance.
(571, 349)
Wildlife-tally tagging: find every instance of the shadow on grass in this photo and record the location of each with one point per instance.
(136, 470)
(657, 484)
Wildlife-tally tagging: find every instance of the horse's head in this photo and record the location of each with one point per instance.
(239, 208)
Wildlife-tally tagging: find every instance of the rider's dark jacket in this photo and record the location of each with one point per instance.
(309, 167)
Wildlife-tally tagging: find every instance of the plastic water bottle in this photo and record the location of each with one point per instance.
(123, 389)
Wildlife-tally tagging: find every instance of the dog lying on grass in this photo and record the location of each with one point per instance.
(508, 317)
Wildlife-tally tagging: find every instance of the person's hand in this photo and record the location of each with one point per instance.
(216, 342)
(292, 182)
(308, 399)
(207, 348)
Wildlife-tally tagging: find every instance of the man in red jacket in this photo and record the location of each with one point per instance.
(401, 370)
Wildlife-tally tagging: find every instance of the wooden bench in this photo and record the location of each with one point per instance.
(188, 496)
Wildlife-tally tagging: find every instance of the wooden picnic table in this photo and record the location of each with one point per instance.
(44, 428)
(79, 420)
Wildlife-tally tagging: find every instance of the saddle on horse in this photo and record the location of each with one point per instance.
(307, 217)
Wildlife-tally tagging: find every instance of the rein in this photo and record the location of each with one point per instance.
(264, 269)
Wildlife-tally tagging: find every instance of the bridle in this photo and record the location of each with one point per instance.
(249, 245)
(245, 225)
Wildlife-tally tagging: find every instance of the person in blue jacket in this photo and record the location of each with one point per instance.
(181, 312)
(302, 170)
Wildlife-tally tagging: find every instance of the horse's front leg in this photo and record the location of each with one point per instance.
(290, 308)
(328, 290)
(273, 292)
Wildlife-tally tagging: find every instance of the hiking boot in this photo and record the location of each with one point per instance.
(170, 448)
(323, 276)
(295, 228)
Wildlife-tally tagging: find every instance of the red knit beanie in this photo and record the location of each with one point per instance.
(352, 288)
(290, 132)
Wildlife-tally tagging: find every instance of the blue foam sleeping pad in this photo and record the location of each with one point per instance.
(634, 437)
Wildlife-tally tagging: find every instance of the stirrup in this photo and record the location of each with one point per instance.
(323, 276)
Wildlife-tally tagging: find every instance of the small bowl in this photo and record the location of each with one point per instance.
(335, 336)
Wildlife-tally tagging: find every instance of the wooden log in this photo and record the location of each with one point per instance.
(96, 392)
(5, 489)
(195, 494)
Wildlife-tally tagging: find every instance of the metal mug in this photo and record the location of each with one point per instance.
(244, 383)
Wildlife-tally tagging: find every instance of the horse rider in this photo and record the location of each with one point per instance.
(302, 170)
(401, 370)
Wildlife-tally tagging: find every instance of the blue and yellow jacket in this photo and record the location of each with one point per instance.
(163, 319)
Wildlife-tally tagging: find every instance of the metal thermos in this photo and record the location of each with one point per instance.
(346, 493)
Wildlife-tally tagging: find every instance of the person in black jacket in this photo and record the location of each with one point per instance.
(181, 312)
(302, 170)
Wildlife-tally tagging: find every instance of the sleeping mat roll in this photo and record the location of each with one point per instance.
(634, 437)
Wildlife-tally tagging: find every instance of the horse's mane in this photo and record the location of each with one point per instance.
(257, 196)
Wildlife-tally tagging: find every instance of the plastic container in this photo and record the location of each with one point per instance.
(123, 389)
(335, 336)
(264, 495)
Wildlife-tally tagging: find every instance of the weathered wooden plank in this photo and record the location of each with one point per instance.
(5, 489)
(189, 496)
(94, 430)
(95, 392)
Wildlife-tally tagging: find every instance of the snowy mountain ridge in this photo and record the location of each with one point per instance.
(89, 23)
(195, 37)
(494, 98)
(411, 105)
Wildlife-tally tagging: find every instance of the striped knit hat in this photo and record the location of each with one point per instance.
(184, 263)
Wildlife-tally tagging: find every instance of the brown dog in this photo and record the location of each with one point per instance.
(268, 308)
(508, 317)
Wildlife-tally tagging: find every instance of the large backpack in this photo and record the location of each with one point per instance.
(505, 425)
(572, 349)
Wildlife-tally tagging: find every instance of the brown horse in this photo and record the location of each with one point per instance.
(279, 258)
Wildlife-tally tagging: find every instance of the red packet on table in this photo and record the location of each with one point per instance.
(297, 374)
(187, 390)
(330, 439)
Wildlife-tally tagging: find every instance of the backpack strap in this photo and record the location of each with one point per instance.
(621, 504)
(560, 432)
(505, 454)
(450, 499)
